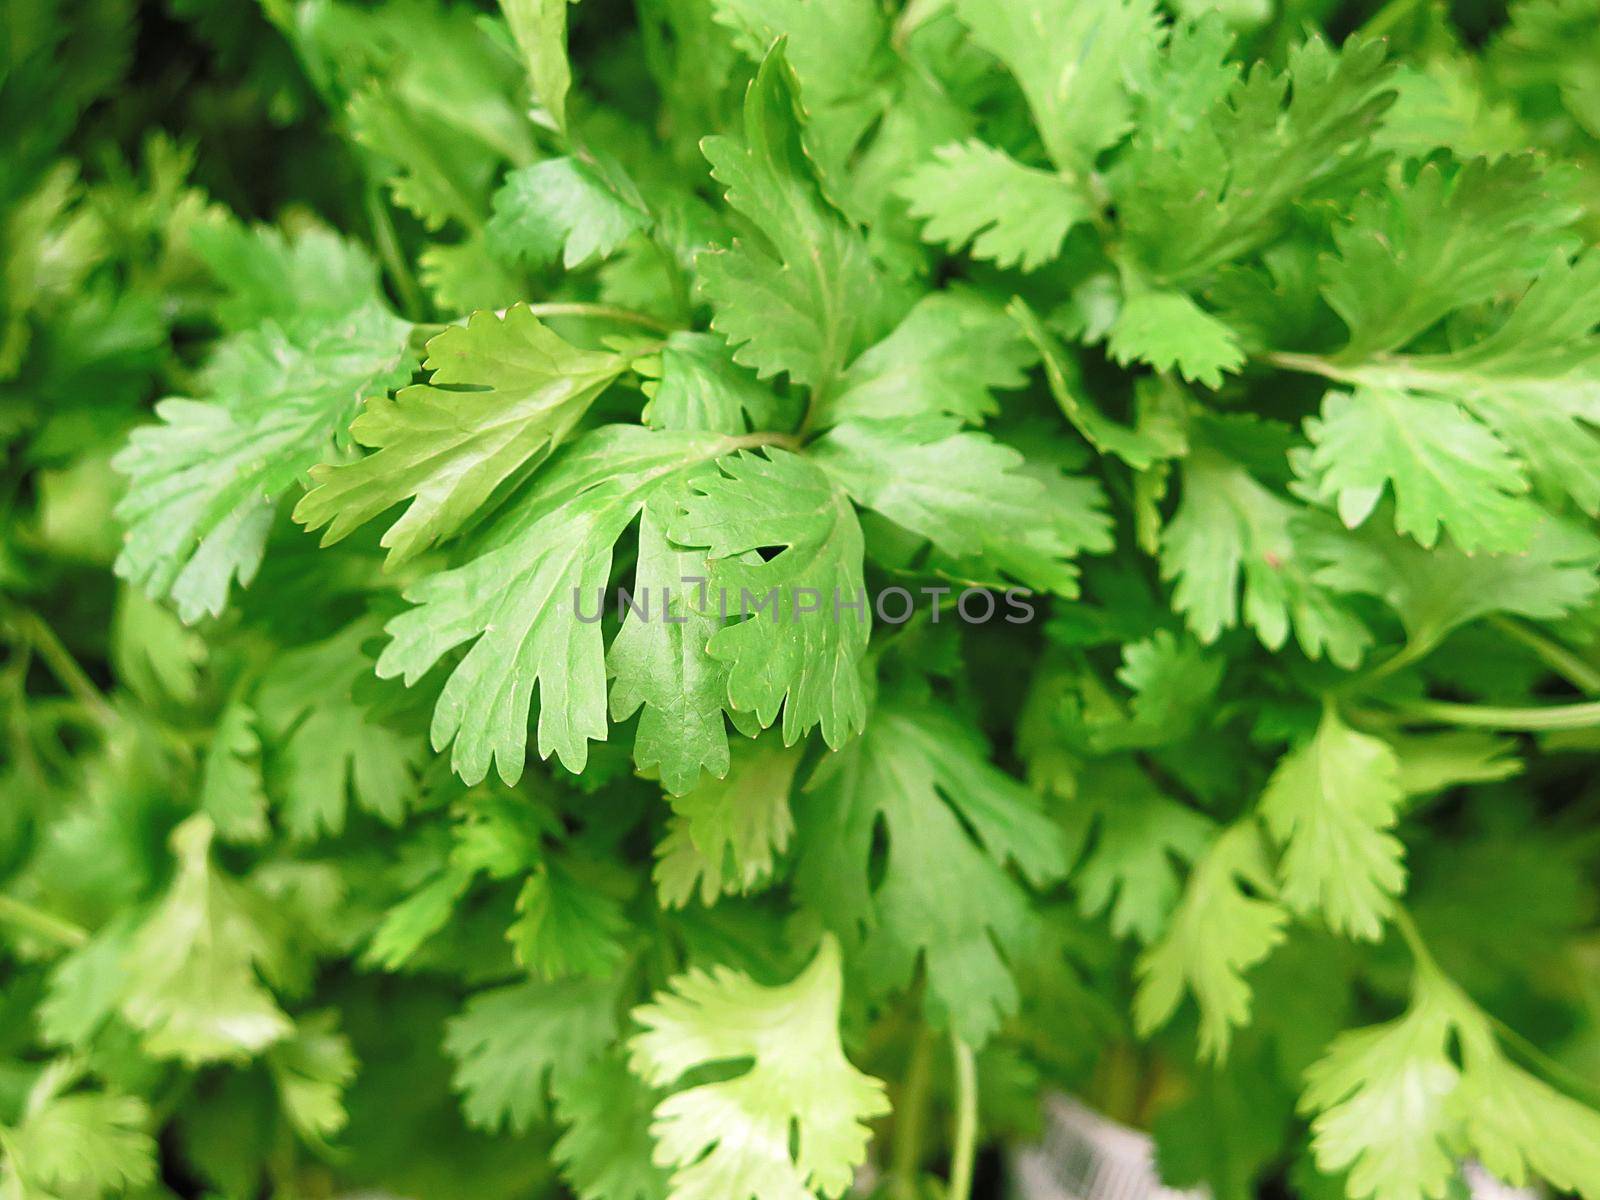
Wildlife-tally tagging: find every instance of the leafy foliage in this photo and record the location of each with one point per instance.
(585, 587)
(732, 1138)
(1390, 1102)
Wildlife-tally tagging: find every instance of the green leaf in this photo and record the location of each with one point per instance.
(839, 52)
(1174, 683)
(1519, 1126)
(1444, 467)
(1433, 762)
(467, 275)
(563, 209)
(430, 92)
(1546, 48)
(1011, 214)
(1445, 101)
(1439, 590)
(606, 1151)
(949, 355)
(1381, 1099)
(1441, 241)
(193, 988)
(797, 649)
(790, 1126)
(965, 493)
(1130, 871)
(311, 1071)
(1167, 330)
(82, 1143)
(540, 30)
(505, 392)
(510, 1044)
(297, 281)
(499, 832)
(696, 385)
(433, 172)
(1229, 529)
(1074, 63)
(1333, 803)
(1532, 379)
(567, 924)
(1217, 933)
(1395, 1102)
(1138, 448)
(1229, 1131)
(1219, 158)
(659, 662)
(85, 985)
(802, 296)
(232, 793)
(944, 895)
(414, 920)
(153, 652)
(330, 749)
(205, 483)
(526, 599)
(829, 45)
(725, 833)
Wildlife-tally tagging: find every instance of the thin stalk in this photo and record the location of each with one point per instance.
(394, 262)
(675, 277)
(1486, 716)
(1552, 1069)
(1411, 652)
(915, 15)
(910, 1113)
(814, 407)
(55, 655)
(602, 312)
(1582, 675)
(964, 1140)
(1387, 17)
(1306, 364)
(1407, 925)
(751, 441)
(45, 925)
(167, 1100)
(18, 732)
(573, 308)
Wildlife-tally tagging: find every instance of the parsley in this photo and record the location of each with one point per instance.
(707, 599)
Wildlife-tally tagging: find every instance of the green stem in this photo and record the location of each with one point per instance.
(46, 925)
(1485, 716)
(1581, 674)
(394, 262)
(675, 277)
(573, 308)
(602, 312)
(55, 655)
(1553, 1069)
(1407, 925)
(1387, 17)
(752, 441)
(964, 1140)
(910, 1112)
(18, 728)
(1306, 364)
(915, 15)
(1411, 652)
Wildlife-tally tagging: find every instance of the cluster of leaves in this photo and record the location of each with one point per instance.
(1252, 350)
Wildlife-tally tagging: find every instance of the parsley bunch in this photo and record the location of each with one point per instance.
(1100, 502)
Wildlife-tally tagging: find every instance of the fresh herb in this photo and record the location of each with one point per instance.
(708, 599)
